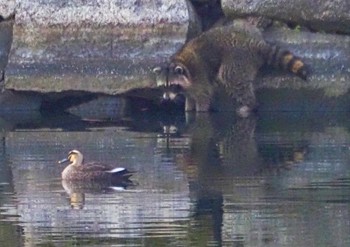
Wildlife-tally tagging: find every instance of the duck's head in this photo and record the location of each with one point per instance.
(74, 156)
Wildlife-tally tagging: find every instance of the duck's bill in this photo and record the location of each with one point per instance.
(63, 161)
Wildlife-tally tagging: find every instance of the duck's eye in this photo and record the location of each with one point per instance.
(179, 70)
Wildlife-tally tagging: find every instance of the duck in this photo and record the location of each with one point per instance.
(79, 171)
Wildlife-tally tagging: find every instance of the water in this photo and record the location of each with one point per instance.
(278, 179)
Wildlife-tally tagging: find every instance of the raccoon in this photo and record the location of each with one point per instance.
(223, 56)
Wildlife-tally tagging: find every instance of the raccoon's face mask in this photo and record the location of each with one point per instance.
(171, 90)
(179, 75)
(172, 74)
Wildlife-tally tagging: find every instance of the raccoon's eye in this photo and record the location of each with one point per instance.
(179, 70)
(157, 70)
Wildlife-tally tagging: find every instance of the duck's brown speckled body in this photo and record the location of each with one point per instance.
(78, 171)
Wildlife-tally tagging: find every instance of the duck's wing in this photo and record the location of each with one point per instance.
(94, 167)
(98, 168)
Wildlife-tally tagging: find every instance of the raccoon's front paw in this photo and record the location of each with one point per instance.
(169, 96)
(244, 111)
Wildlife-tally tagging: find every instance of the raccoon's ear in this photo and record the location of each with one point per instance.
(179, 70)
(157, 70)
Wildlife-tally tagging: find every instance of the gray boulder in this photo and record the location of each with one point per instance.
(97, 46)
(326, 15)
(5, 45)
(7, 8)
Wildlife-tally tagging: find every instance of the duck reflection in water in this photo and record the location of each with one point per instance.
(79, 178)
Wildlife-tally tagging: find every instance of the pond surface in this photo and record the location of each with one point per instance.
(277, 179)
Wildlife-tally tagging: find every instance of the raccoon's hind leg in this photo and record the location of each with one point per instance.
(190, 104)
(239, 85)
(237, 73)
(200, 104)
(245, 97)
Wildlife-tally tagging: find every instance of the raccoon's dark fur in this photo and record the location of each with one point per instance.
(228, 56)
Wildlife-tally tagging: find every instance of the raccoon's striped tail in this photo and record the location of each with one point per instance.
(286, 60)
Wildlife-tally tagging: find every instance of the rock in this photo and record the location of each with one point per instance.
(326, 15)
(209, 12)
(195, 26)
(96, 46)
(102, 108)
(5, 45)
(11, 102)
(104, 47)
(7, 8)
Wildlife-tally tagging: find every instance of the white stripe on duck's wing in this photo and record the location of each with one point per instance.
(116, 170)
(117, 188)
